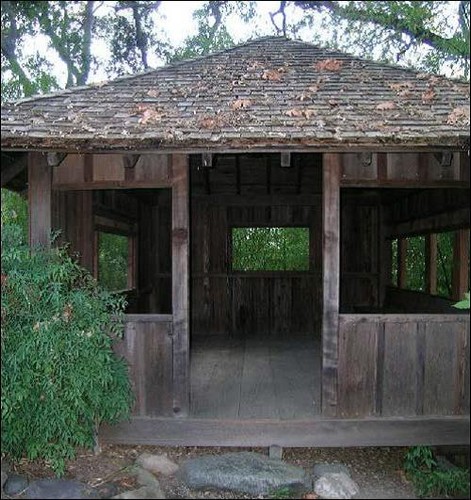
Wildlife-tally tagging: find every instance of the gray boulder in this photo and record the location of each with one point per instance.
(245, 472)
(15, 484)
(60, 488)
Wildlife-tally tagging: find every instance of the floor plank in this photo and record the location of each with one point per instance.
(255, 379)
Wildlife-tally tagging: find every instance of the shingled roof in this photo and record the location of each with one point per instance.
(271, 92)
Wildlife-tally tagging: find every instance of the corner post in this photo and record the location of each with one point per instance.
(39, 200)
(331, 165)
(180, 283)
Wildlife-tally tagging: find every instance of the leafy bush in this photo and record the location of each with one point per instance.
(429, 479)
(60, 377)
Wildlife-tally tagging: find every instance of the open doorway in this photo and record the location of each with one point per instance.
(256, 286)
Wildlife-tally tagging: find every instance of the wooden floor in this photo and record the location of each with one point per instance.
(255, 379)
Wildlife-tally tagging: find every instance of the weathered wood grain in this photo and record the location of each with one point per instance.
(331, 281)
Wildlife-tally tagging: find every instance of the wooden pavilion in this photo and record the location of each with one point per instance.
(272, 133)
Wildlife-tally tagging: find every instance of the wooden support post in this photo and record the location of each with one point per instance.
(180, 283)
(401, 262)
(332, 166)
(431, 264)
(460, 283)
(39, 199)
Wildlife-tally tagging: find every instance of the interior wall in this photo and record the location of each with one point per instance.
(254, 190)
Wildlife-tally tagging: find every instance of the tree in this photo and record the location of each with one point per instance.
(133, 36)
(433, 32)
(70, 30)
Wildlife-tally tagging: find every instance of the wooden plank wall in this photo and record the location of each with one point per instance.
(403, 365)
(243, 191)
(155, 254)
(147, 347)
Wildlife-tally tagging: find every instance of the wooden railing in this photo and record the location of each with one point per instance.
(403, 365)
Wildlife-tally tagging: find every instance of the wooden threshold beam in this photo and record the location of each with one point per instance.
(319, 432)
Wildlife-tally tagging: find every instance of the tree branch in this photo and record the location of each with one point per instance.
(10, 38)
(390, 21)
(281, 10)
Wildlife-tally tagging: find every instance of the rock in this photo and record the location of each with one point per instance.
(157, 464)
(142, 492)
(246, 472)
(149, 481)
(336, 485)
(5, 469)
(59, 488)
(275, 452)
(107, 490)
(4, 478)
(320, 469)
(15, 484)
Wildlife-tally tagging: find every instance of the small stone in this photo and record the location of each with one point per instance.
(275, 452)
(327, 468)
(143, 492)
(336, 485)
(15, 484)
(157, 464)
(59, 488)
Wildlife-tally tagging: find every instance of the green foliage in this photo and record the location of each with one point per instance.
(15, 210)
(113, 261)
(285, 492)
(60, 377)
(444, 263)
(415, 263)
(429, 479)
(270, 249)
(463, 304)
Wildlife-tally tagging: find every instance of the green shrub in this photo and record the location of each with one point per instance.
(428, 479)
(60, 377)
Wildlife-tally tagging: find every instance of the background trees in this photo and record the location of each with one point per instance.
(51, 44)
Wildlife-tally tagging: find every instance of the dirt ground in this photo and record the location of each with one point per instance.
(378, 471)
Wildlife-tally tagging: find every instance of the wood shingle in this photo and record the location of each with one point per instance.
(271, 92)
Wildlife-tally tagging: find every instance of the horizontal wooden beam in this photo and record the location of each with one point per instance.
(404, 318)
(290, 433)
(435, 223)
(403, 183)
(257, 200)
(86, 186)
(148, 318)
